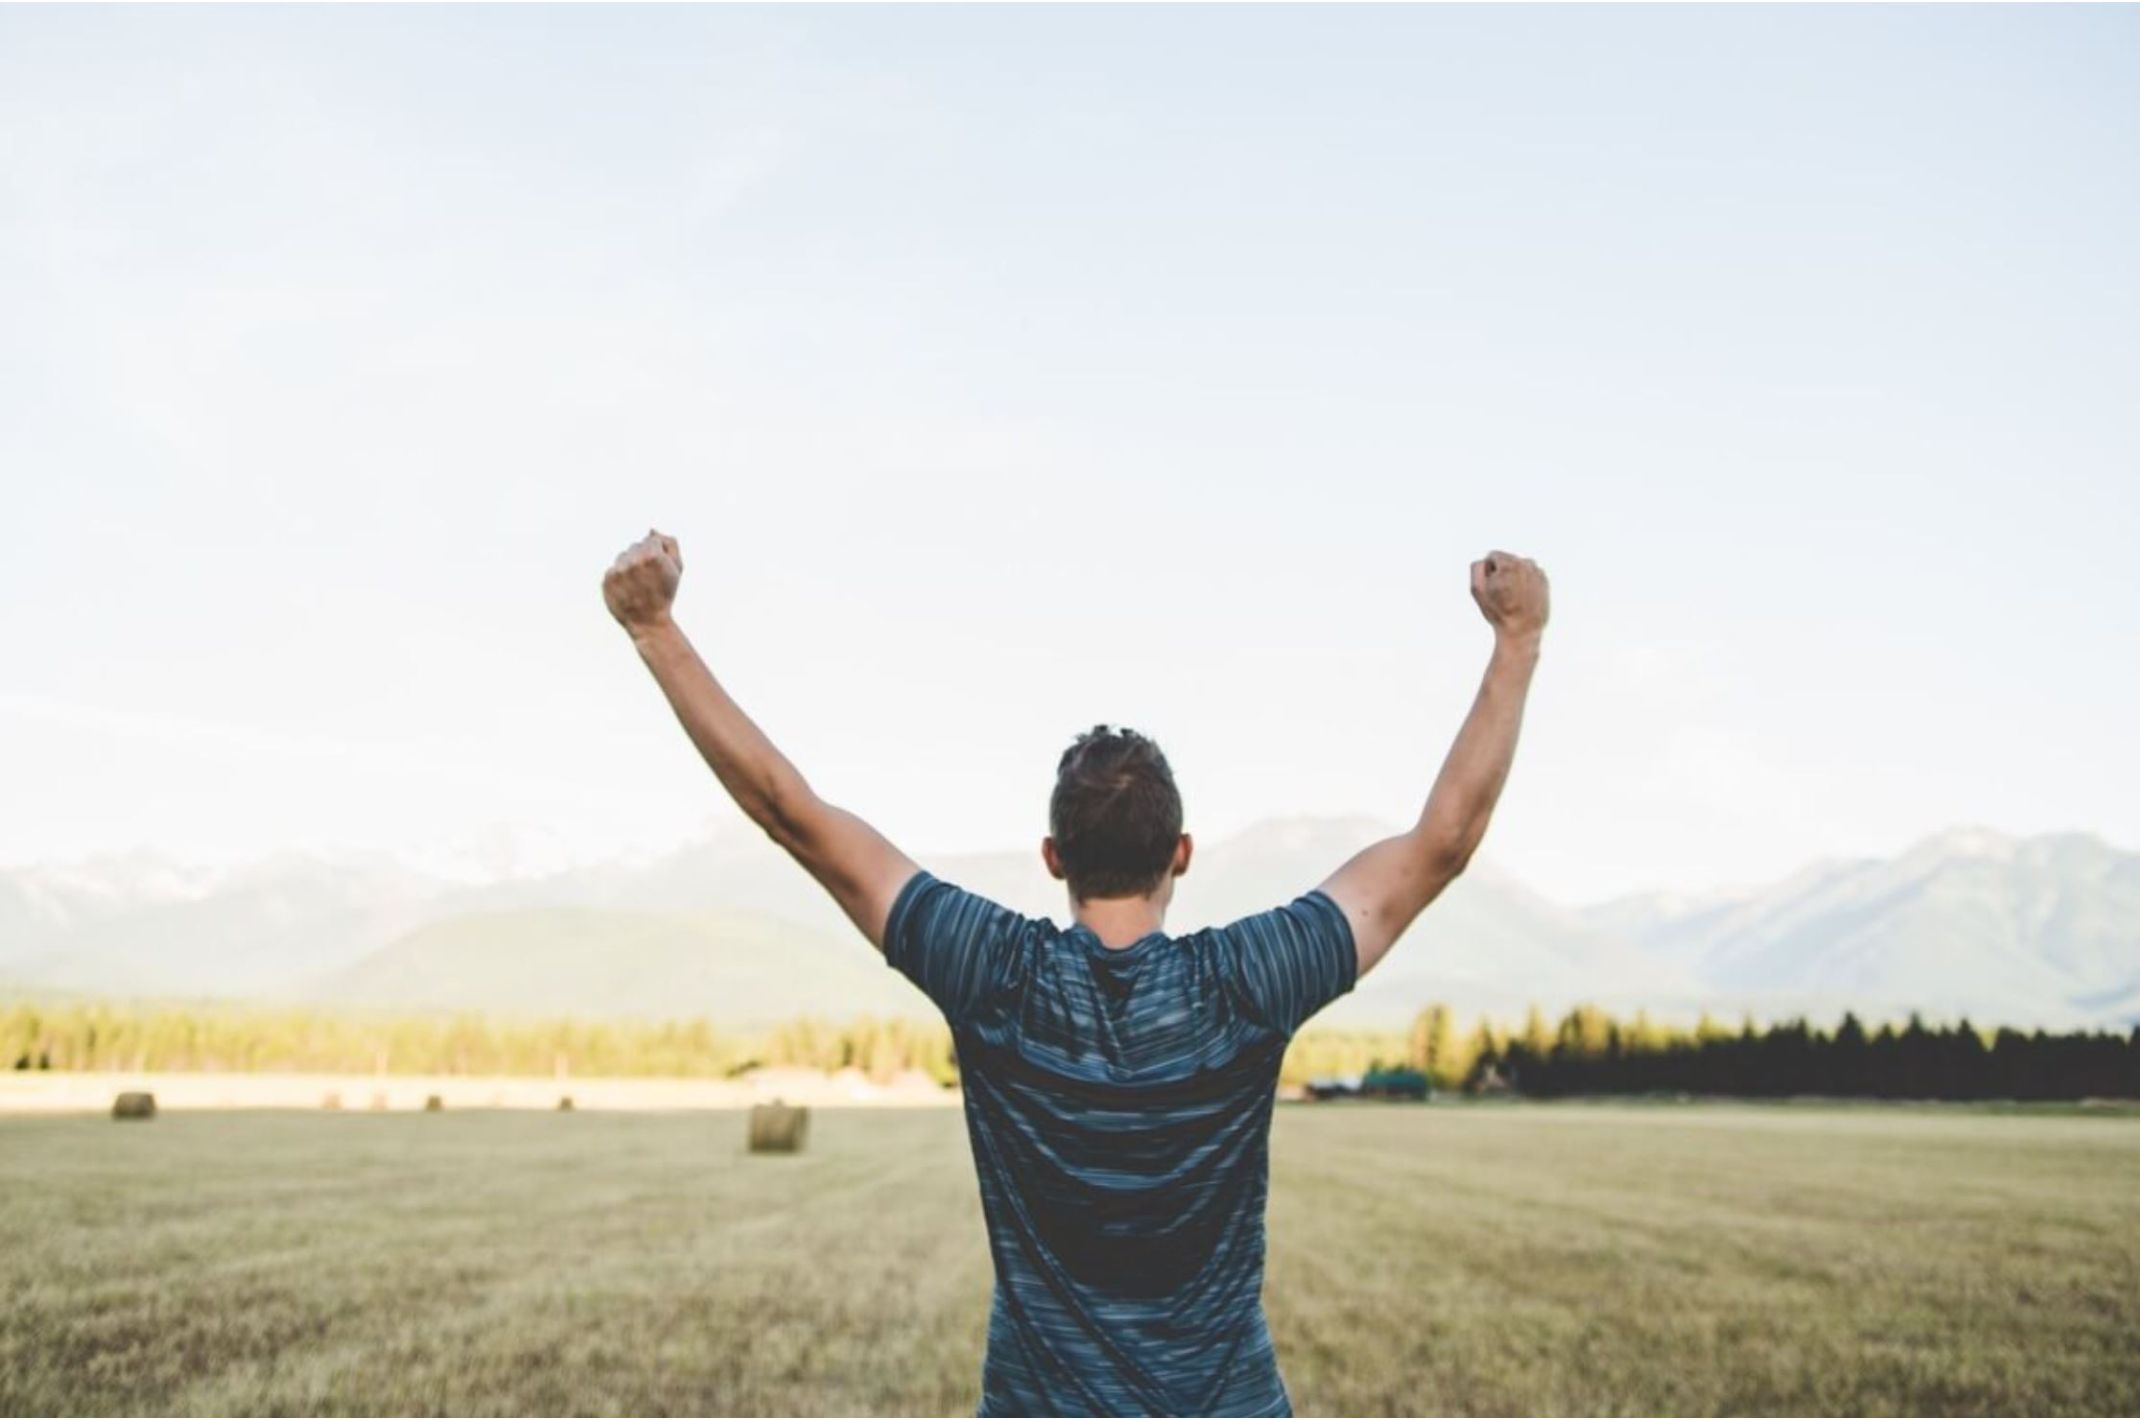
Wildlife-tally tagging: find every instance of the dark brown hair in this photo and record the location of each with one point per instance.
(1115, 814)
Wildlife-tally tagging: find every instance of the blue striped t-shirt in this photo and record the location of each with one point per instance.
(1119, 1106)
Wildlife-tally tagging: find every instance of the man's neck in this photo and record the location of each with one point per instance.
(1119, 921)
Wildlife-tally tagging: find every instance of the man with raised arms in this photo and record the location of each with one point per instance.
(1118, 1080)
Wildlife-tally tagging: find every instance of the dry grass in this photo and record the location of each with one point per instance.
(1518, 1259)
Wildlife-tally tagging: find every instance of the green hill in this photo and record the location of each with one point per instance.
(742, 968)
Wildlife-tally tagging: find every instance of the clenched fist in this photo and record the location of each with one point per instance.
(641, 584)
(1513, 594)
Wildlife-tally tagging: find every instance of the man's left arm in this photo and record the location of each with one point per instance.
(859, 866)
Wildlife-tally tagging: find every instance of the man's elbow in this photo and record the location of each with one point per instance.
(786, 834)
(1445, 855)
(789, 817)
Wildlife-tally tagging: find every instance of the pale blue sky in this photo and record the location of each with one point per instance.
(1007, 370)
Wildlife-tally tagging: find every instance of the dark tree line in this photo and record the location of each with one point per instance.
(1591, 1054)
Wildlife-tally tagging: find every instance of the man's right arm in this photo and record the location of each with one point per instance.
(859, 866)
(1384, 887)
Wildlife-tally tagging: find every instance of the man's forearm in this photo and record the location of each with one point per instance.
(1469, 785)
(755, 773)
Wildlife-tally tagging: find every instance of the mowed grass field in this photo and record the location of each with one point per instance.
(1503, 1259)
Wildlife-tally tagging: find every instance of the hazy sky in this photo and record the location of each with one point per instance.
(1003, 371)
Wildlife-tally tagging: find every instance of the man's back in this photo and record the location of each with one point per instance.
(1119, 1106)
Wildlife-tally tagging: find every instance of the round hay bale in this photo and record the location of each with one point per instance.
(333, 1100)
(564, 1102)
(134, 1104)
(434, 1103)
(778, 1128)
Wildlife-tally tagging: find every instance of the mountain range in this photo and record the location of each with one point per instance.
(2022, 931)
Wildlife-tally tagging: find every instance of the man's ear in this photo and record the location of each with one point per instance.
(1053, 859)
(1182, 853)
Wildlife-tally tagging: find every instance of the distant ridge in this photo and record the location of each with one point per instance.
(1966, 922)
(1970, 922)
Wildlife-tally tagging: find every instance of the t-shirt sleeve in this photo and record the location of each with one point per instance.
(1290, 962)
(961, 949)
